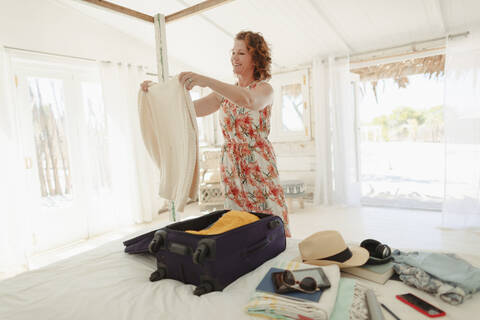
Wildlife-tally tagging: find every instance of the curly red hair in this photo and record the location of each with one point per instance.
(258, 48)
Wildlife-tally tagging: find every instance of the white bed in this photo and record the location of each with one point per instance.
(107, 284)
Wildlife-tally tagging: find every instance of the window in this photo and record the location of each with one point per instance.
(291, 115)
(401, 143)
(61, 114)
(51, 142)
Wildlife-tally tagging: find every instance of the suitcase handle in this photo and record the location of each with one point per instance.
(180, 249)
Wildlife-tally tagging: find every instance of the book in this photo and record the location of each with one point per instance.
(266, 286)
(376, 273)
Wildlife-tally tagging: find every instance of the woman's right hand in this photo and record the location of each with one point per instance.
(145, 84)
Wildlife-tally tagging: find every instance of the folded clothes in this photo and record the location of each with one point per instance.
(416, 277)
(229, 221)
(452, 278)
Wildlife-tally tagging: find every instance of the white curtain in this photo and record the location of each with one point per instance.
(14, 228)
(134, 175)
(336, 180)
(462, 132)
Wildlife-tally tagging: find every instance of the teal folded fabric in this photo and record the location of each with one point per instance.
(344, 301)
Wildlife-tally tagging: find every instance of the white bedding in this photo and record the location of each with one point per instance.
(107, 283)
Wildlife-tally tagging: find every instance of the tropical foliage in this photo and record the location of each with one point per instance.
(406, 123)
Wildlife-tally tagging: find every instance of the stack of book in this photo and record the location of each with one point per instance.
(376, 273)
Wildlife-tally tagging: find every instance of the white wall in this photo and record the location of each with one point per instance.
(50, 26)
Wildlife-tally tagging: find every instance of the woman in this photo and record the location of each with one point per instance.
(248, 168)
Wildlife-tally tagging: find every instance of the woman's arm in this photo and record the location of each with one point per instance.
(207, 105)
(254, 99)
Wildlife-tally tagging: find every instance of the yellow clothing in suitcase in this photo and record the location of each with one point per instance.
(230, 220)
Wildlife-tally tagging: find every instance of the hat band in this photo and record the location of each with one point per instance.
(340, 257)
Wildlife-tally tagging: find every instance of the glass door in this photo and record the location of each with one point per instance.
(49, 113)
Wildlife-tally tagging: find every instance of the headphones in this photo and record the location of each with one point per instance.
(379, 253)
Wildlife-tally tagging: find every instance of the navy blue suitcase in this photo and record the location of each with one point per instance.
(211, 262)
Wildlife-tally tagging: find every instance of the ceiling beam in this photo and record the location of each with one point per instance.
(124, 10)
(196, 9)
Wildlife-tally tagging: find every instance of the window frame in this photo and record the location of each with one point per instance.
(288, 78)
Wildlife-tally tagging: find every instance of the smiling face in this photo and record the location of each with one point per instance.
(241, 59)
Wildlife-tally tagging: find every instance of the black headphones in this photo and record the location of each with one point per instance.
(379, 253)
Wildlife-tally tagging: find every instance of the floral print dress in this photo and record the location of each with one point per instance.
(248, 168)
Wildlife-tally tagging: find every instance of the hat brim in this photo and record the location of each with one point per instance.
(359, 257)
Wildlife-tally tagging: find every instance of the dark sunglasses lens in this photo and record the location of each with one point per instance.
(308, 284)
(288, 278)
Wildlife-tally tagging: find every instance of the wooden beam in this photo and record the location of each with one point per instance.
(198, 8)
(124, 10)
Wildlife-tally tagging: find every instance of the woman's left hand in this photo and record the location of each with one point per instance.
(191, 79)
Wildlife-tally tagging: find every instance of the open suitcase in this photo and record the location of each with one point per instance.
(211, 262)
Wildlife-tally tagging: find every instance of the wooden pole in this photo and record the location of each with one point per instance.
(162, 67)
(161, 48)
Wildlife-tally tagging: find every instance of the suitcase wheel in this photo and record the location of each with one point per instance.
(158, 275)
(273, 224)
(200, 253)
(157, 241)
(203, 288)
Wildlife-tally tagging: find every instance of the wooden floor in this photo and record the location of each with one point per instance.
(399, 228)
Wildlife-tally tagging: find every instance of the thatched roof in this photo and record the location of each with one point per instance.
(432, 66)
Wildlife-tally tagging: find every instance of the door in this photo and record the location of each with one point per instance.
(51, 120)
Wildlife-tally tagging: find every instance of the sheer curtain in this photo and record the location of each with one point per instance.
(14, 228)
(462, 132)
(134, 175)
(336, 180)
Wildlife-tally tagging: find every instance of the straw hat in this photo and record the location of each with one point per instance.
(328, 247)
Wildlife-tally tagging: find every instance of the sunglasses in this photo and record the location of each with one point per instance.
(306, 285)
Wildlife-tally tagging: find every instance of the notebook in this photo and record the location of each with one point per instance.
(266, 285)
(376, 273)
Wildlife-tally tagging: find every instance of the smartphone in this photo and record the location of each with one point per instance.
(421, 305)
(316, 273)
